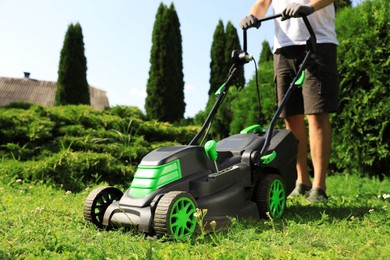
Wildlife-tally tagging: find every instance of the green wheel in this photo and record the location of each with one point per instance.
(271, 196)
(174, 215)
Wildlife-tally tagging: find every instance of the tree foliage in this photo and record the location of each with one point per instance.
(340, 4)
(218, 68)
(165, 86)
(251, 107)
(362, 126)
(72, 85)
(266, 53)
(233, 43)
(224, 42)
(221, 124)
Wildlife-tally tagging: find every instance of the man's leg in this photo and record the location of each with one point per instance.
(296, 124)
(320, 136)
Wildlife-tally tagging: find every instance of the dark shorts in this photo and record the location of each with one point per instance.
(320, 90)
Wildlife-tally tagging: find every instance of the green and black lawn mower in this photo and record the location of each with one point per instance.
(245, 176)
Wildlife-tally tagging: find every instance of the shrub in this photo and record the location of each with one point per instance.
(246, 106)
(71, 170)
(124, 111)
(22, 126)
(76, 145)
(361, 128)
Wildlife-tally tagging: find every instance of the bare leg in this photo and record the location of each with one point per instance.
(320, 135)
(296, 124)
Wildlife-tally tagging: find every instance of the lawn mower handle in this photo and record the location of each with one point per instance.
(310, 49)
(259, 21)
(310, 45)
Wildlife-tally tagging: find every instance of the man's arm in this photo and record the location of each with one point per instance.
(319, 4)
(260, 8)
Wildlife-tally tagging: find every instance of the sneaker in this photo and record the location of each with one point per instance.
(317, 195)
(300, 189)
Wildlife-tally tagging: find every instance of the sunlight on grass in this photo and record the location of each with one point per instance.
(38, 221)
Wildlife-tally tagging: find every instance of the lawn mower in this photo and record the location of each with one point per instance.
(244, 176)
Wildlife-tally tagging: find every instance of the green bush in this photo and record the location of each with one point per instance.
(23, 126)
(81, 115)
(124, 111)
(17, 151)
(71, 170)
(155, 131)
(246, 106)
(76, 145)
(361, 128)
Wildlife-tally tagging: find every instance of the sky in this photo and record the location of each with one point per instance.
(118, 39)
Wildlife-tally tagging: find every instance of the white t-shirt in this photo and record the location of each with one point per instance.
(294, 32)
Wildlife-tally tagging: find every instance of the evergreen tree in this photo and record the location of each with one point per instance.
(155, 81)
(224, 42)
(361, 127)
(218, 70)
(175, 99)
(221, 125)
(233, 43)
(165, 87)
(72, 85)
(266, 53)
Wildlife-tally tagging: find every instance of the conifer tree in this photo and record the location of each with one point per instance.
(224, 42)
(221, 125)
(175, 99)
(266, 53)
(218, 70)
(165, 87)
(233, 43)
(72, 85)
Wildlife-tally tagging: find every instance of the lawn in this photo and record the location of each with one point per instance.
(44, 222)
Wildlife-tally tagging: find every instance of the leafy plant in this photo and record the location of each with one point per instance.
(126, 136)
(248, 109)
(361, 128)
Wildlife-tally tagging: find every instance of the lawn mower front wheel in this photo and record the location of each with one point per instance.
(98, 201)
(175, 215)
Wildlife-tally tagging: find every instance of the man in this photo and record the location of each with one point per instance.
(319, 94)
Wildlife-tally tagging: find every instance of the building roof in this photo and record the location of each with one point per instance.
(41, 92)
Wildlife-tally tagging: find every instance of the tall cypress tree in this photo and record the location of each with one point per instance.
(266, 53)
(72, 85)
(224, 42)
(221, 126)
(175, 99)
(155, 85)
(218, 68)
(233, 43)
(165, 87)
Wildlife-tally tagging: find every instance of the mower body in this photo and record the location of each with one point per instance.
(224, 187)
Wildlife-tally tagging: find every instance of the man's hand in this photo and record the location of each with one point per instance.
(297, 10)
(249, 21)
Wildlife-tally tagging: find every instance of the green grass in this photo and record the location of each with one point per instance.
(43, 222)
